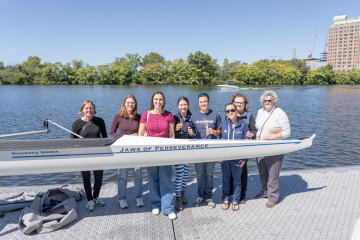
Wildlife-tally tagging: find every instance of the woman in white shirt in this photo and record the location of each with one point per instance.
(272, 123)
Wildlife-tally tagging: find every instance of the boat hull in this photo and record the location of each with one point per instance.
(135, 151)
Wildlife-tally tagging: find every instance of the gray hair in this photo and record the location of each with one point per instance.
(269, 93)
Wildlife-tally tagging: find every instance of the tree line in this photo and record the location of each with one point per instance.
(197, 69)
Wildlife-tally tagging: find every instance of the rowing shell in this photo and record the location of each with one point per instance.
(124, 151)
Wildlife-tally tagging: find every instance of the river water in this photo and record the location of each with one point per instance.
(330, 112)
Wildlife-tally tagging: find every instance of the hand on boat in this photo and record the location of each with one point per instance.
(134, 134)
(249, 134)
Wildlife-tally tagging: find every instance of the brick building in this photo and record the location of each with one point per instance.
(343, 50)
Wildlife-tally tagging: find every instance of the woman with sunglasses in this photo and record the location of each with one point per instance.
(182, 125)
(127, 120)
(242, 110)
(232, 128)
(158, 122)
(272, 123)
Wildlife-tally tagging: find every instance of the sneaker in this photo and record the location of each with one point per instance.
(172, 216)
(156, 211)
(139, 202)
(99, 202)
(183, 197)
(123, 204)
(90, 206)
(178, 203)
(210, 203)
(198, 201)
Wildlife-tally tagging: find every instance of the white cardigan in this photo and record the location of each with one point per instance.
(278, 122)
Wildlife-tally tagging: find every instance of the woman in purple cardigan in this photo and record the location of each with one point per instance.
(127, 121)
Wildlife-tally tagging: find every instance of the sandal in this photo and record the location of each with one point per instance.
(234, 205)
(225, 205)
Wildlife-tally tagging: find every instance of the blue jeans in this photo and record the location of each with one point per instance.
(161, 190)
(204, 173)
(122, 182)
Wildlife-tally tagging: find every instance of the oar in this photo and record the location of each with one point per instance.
(64, 128)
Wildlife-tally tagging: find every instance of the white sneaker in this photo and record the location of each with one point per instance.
(123, 204)
(139, 202)
(172, 216)
(156, 211)
(90, 206)
(99, 202)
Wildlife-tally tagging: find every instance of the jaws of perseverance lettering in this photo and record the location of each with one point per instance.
(164, 148)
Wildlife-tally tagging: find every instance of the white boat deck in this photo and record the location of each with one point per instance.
(314, 204)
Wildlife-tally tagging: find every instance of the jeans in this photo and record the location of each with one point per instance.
(161, 190)
(98, 175)
(122, 182)
(231, 175)
(204, 174)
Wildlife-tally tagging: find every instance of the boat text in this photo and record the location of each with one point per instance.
(164, 148)
(34, 153)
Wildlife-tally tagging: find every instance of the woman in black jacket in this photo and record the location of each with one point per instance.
(90, 126)
(182, 126)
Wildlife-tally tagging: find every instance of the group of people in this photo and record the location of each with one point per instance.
(271, 123)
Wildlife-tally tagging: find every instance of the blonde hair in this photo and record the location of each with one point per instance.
(84, 104)
(123, 111)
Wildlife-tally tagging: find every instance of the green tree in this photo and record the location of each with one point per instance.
(152, 58)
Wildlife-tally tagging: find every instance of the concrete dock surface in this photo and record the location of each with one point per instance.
(314, 204)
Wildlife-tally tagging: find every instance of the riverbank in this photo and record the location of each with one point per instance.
(314, 204)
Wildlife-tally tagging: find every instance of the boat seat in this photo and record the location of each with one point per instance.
(58, 143)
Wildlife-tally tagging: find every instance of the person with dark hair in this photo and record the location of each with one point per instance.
(242, 109)
(232, 128)
(90, 126)
(208, 126)
(127, 121)
(182, 125)
(158, 122)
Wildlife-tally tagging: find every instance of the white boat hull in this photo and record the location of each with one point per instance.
(135, 151)
(227, 87)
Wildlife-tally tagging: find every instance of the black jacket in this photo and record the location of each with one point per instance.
(183, 132)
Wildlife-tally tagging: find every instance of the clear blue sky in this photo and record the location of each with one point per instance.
(98, 31)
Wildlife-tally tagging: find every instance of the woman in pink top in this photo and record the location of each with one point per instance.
(159, 123)
(127, 121)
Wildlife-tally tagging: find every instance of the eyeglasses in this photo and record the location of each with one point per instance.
(269, 101)
(231, 110)
(239, 103)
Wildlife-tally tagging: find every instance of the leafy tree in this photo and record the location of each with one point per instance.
(2, 66)
(152, 58)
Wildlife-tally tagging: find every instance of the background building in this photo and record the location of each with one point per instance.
(343, 50)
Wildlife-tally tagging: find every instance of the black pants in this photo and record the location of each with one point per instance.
(98, 175)
(244, 179)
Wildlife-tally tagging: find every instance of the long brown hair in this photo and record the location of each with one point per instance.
(152, 100)
(124, 112)
(245, 100)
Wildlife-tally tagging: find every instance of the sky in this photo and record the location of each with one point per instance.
(99, 31)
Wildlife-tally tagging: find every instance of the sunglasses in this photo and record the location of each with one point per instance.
(269, 101)
(231, 110)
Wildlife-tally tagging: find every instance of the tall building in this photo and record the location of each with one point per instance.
(343, 50)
